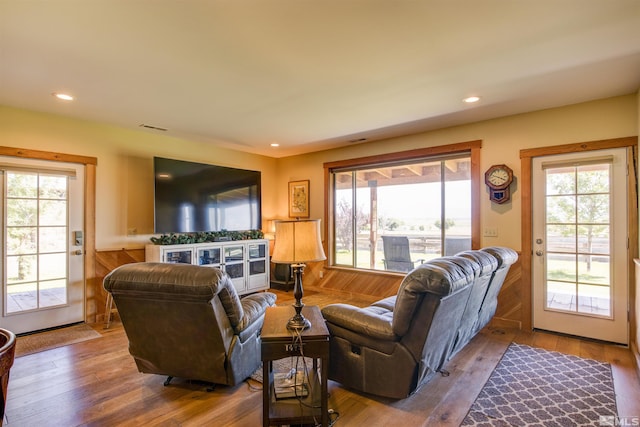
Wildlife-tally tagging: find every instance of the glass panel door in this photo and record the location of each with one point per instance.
(580, 277)
(36, 244)
(578, 239)
(42, 246)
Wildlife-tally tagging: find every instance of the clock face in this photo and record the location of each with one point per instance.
(498, 177)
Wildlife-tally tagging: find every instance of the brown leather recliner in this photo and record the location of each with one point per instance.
(187, 321)
(7, 356)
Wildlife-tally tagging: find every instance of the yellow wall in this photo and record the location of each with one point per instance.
(502, 140)
(124, 182)
(125, 169)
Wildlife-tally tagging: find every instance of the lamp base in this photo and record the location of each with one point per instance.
(298, 324)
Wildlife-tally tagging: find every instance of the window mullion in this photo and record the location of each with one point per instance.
(354, 220)
(442, 208)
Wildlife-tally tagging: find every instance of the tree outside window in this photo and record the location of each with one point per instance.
(409, 198)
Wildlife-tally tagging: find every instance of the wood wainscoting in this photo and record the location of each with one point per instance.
(362, 286)
(106, 261)
(373, 286)
(353, 282)
(510, 310)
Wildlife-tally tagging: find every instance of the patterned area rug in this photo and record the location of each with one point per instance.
(42, 341)
(536, 387)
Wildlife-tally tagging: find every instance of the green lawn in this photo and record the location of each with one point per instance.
(345, 258)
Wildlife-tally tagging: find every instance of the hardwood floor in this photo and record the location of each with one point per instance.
(95, 383)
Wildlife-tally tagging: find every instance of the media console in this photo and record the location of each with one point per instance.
(245, 261)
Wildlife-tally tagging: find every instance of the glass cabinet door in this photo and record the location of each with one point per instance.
(246, 262)
(234, 265)
(258, 253)
(209, 257)
(257, 250)
(233, 253)
(178, 256)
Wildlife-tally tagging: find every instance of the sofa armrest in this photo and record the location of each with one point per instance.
(254, 307)
(374, 322)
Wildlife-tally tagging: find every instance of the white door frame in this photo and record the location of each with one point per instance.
(525, 319)
(614, 325)
(67, 307)
(94, 297)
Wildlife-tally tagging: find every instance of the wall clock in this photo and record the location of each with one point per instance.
(499, 178)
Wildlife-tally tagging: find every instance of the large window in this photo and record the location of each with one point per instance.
(394, 212)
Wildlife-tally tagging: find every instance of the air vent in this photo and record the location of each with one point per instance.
(153, 127)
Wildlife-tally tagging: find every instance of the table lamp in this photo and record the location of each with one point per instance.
(297, 242)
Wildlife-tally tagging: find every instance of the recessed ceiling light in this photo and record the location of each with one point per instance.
(275, 144)
(471, 99)
(63, 96)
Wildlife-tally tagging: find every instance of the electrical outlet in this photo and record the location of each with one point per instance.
(491, 232)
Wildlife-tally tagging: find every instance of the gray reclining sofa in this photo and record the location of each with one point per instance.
(395, 345)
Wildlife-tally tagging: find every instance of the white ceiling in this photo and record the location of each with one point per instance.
(312, 74)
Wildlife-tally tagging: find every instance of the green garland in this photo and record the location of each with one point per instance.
(206, 236)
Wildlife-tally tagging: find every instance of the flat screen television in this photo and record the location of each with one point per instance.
(194, 197)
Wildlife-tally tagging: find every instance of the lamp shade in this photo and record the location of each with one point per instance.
(298, 242)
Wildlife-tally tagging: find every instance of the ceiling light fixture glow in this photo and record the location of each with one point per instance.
(63, 96)
(275, 144)
(471, 99)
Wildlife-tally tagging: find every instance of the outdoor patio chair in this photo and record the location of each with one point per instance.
(397, 256)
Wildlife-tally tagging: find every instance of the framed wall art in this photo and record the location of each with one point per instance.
(299, 199)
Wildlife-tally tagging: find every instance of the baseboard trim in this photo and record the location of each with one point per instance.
(499, 322)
